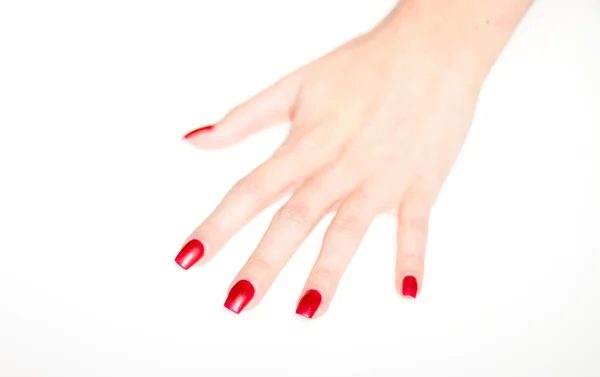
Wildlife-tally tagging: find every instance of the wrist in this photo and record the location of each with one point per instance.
(463, 37)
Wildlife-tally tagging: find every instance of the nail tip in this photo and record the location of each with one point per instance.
(409, 287)
(309, 303)
(305, 315)
(239, 296)
(231, 309)
(181, 265)
(190, 254)
(197, 131)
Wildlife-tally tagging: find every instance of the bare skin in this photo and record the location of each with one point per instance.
(376, 126)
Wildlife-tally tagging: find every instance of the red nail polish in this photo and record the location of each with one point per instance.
(190, 254)
(197, 131)
(409, 286)
(309, 303)
(239, 296)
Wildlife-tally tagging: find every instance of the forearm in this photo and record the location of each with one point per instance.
(469, 34)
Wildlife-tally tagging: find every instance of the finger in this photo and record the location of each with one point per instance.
(413, 224)
(252, 194)
(342, 239)
(288, 229)
(268, 108)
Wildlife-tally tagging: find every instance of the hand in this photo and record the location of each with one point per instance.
(376, 126)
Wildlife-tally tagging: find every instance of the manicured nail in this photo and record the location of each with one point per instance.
(239, 296)
(190, 254)
(409, 286)
(197, 131)
(309, 303)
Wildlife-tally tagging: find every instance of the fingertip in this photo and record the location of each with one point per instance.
(208, 137)
(309, 304)
(198, 131)
(239, 296)
(190, 254)
(217, 136)
(408, 285)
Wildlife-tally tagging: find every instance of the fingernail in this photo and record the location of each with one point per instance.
(197, 131)
(309, 303)
(190, 254)
(239, 296)
(409, 286)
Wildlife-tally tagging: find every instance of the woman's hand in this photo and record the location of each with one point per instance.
(376, 126)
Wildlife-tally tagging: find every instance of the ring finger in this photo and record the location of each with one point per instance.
(342, 239)
(288, 229)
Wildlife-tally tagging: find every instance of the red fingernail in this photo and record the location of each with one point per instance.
(190, 254)
(197, 131)
(239, 296)
(309, 303)
(409, 286)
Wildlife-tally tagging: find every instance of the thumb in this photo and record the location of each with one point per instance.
(267, 108)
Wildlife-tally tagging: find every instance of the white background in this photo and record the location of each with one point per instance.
(98, 192)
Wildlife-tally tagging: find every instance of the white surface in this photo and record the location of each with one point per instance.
(98, 192)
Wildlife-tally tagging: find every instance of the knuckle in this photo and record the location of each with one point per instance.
(325, 277)
(358, 202)
(351, 217)
(239, 109)
(413, 254)
(247, 188)
(413, 223)
(346, 223)
(297, 213)
(210, 227)
(252, 187)
(233, 115)
(258, 266)
(412, 237)
(259, 263)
